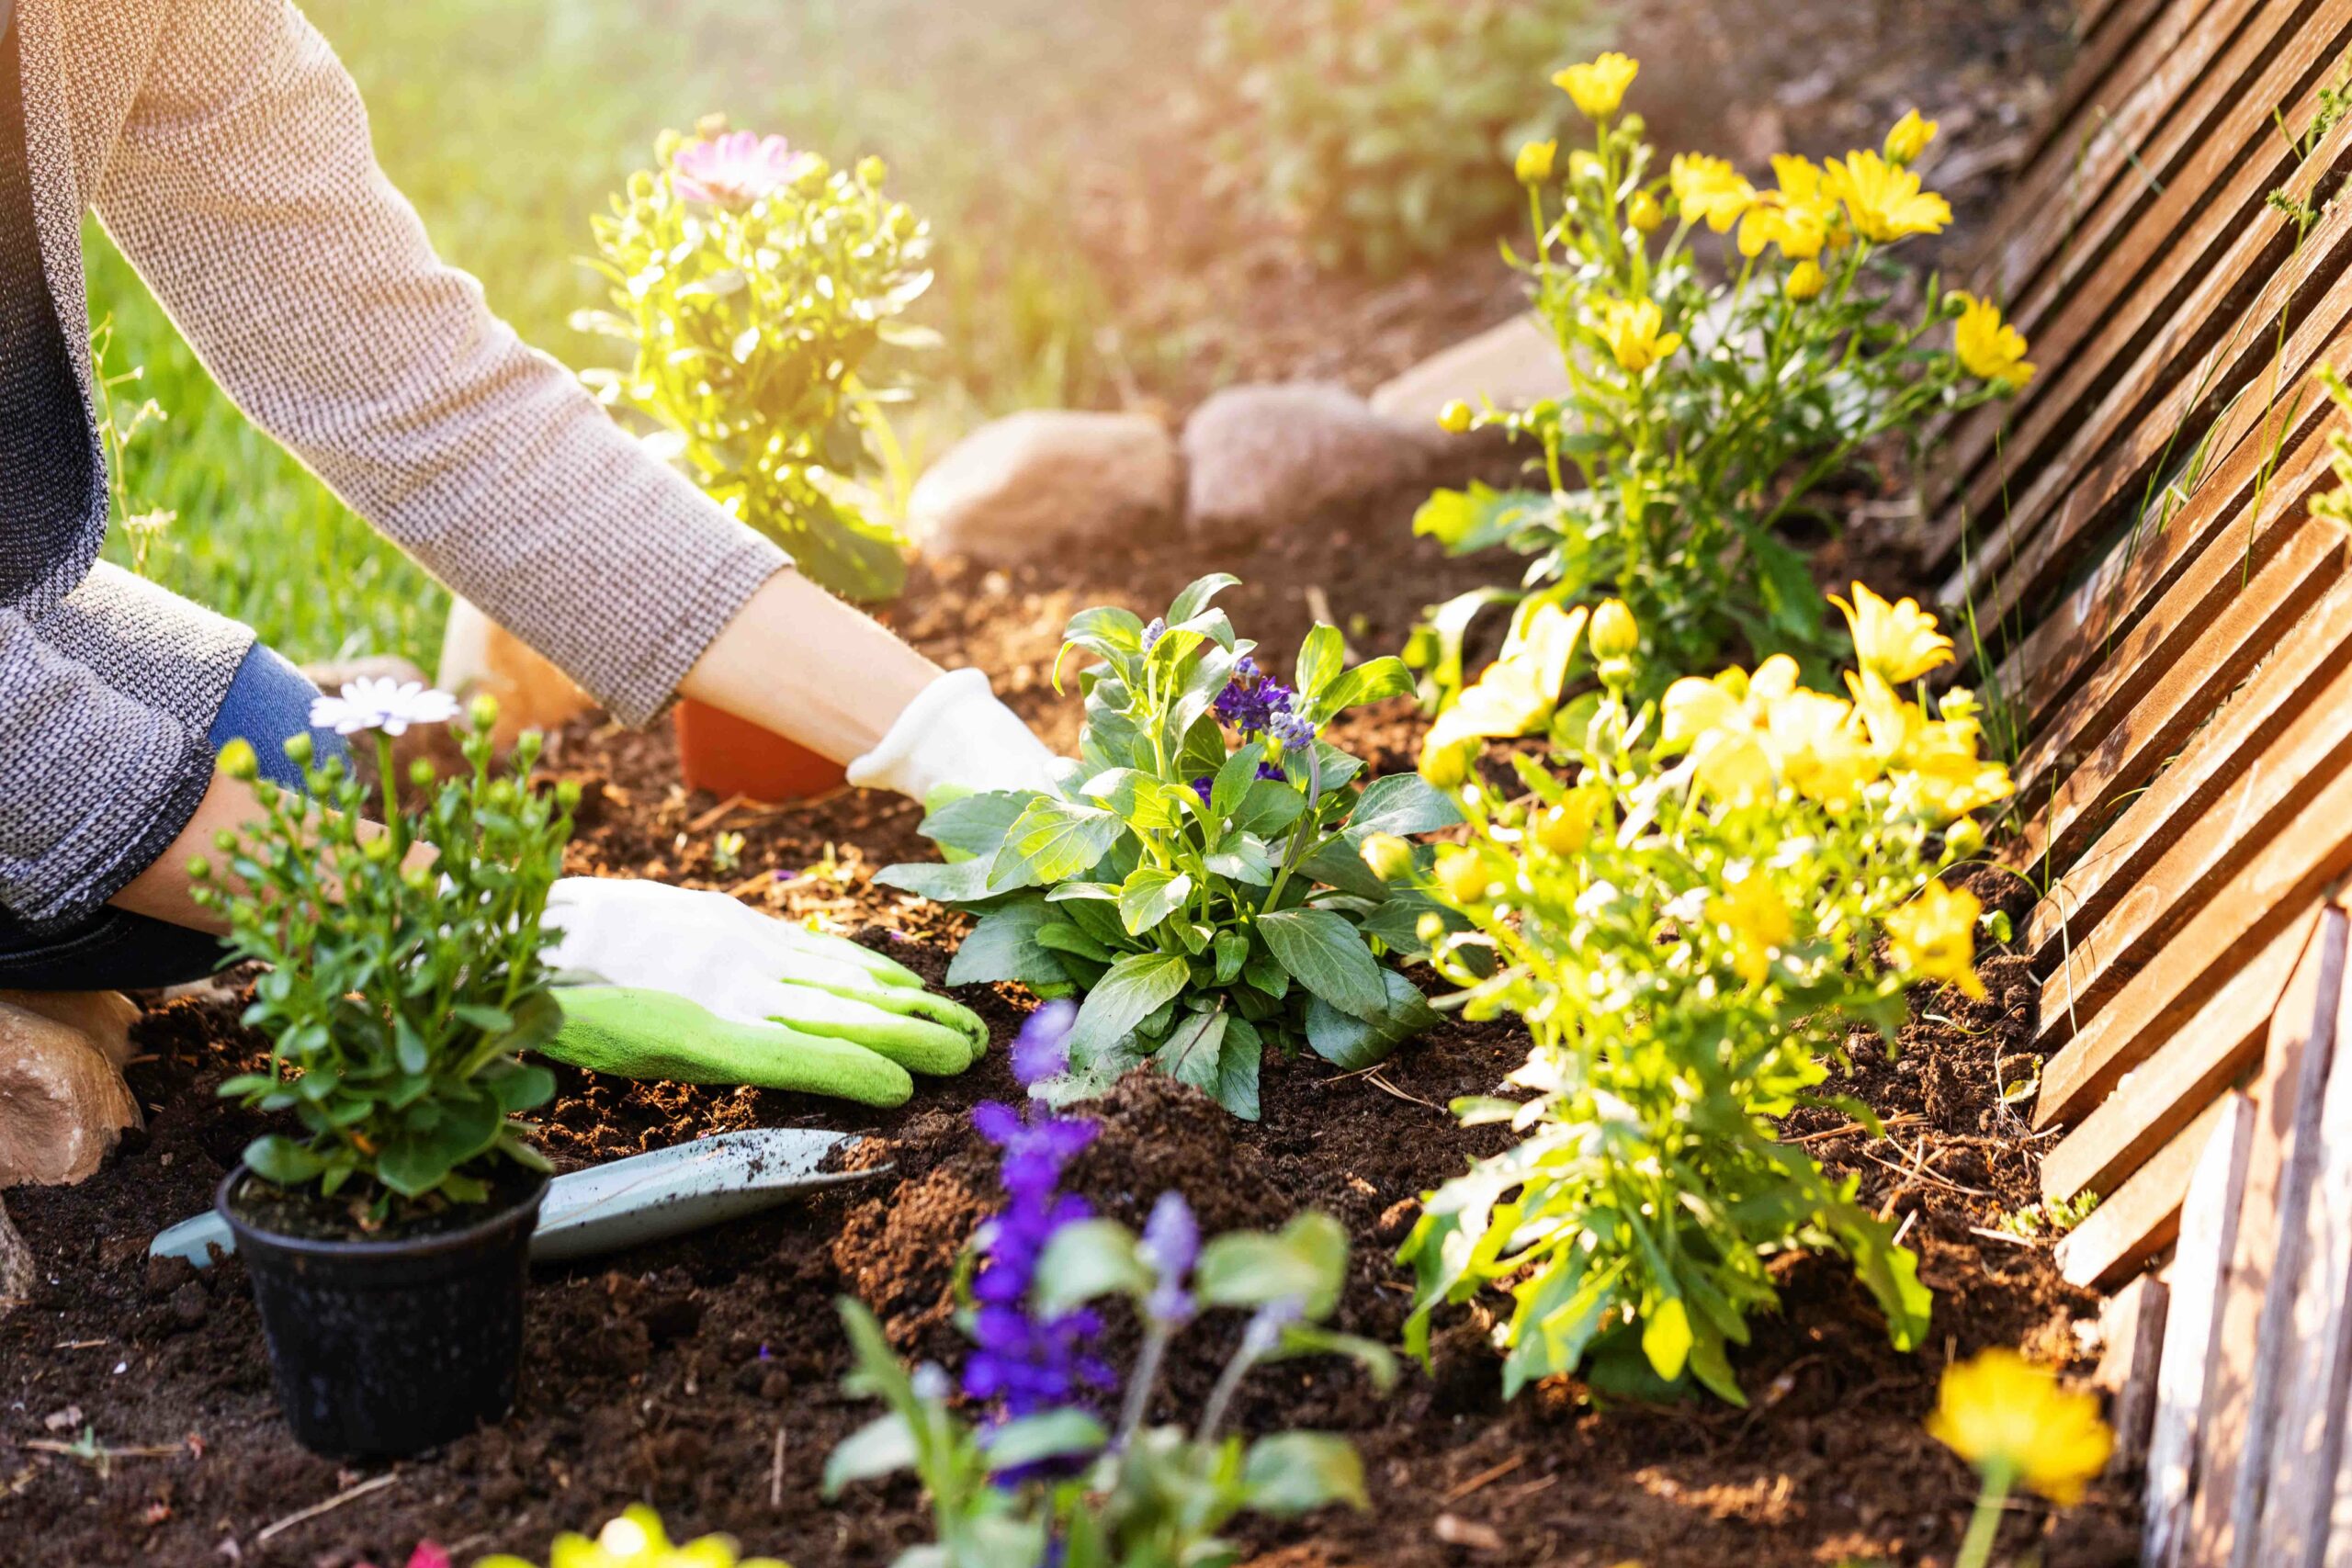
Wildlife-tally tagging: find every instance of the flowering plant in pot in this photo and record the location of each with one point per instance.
(753, 283)
(1201, 877)
(385, 1238)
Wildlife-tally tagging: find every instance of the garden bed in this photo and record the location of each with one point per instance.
(703, 1373)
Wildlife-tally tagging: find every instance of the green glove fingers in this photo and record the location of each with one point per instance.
(920, 1031)
(642, 1033)
(837, 963)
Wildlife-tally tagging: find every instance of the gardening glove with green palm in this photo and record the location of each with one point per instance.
(665, 982)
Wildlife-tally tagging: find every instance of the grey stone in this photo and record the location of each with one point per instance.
(1265, 457)
(1023, 487)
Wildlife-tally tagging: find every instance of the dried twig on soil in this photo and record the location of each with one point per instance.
(1484, 1478)
(349, 1493)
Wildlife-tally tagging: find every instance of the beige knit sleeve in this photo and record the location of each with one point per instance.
(245, 190)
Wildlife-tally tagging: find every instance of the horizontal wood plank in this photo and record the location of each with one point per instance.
(2137, 1221)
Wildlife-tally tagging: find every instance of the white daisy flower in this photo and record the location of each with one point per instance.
(379, 701)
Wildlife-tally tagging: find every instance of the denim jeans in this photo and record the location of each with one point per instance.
(268, 704)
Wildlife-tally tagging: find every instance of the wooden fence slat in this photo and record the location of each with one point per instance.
(2241, 1409)
(2137, 713)
(2137, 1221)
(2109, 141)
(2131, 1335)
(2315, 1327)
(2099, 957)
(2104, 33)
(2094, 308)
(2172, 1088)
(2311, 850)
(2186, 791)
(2152, 413)
(2201, 1266)
(2052, 660)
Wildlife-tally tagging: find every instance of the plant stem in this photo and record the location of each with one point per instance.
(1144, 1379)
(1976, 1547)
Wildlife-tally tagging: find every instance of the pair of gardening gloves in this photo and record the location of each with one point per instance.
(661, 982)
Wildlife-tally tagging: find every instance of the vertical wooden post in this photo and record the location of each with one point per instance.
(2200, 1271)
(2225, 1516)
(2315, 1354)
(2133, 1331)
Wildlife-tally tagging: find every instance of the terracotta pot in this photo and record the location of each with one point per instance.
(728, 756)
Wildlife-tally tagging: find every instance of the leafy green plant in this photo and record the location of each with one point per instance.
(1205, 892)
(1380, 129)
(1687, 912)
(399, 993)
(755, 283)
(1062, 1486)
(1710, 407)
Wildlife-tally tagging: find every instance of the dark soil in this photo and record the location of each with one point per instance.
(702, 1374)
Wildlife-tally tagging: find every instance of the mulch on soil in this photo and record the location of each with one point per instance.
(703, 1373)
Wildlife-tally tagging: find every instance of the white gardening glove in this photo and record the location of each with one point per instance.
(957, 736)
(744, 967)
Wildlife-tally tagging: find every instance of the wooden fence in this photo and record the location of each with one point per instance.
(2131, 540)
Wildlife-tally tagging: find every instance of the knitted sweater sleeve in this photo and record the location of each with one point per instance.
(245, 190)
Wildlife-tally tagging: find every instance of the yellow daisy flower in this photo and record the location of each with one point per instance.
(1709, 190)
(1752, 910)
(1909, 137)
(2012, 1421)
(1804, 280)
(1899, 641)
(1934, 937)
(1989, 348)
(1599, 85)
(1642, 211)
(1884, 199)
(1631, 328)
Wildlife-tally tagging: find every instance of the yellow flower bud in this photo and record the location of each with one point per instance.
(1564, 829)
(1428, 929)
(1909, 137)
(1389, 857)
(1963, 838)
(1462, 875)
(198, 868)
(483, 711)
(1805, 280)
(872, 170)
(238, 762)
(1584, 166)
(1535, 165)
(1455, 417)
(1644, 212)
(1613, 634)
(298, 750)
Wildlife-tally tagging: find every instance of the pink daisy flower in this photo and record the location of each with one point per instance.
(735, 169)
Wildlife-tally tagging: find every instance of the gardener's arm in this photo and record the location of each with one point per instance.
(245, 190)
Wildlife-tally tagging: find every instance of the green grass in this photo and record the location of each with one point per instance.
(508, 122)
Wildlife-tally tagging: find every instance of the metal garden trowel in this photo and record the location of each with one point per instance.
(643, 1197)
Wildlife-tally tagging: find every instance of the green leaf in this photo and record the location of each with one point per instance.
(276, 1157)
(1308, 1340)
(1403, 804)
(525, 1087)
(1241, 857)
(489, 1021)
(1466, 522)
(1135, 988)
(1197, 595)
(1143, 800)
(1666, 1338)
(1234, 779)
(884, 1446)
(1054, 839)
(1319, 658)
(1305, 1262)
(1195, 1053)
(1268, 808)
(1150, 896)
(1368, 683)
(965, 882)
(1061, 936)
(1090, 1259)
(1324, 954)
(1237, 1069)
(1352, 1043)
(1337, 862)
(1231, 948)
(1004, 946)
(976, 824)
(1055, 1434)
(1294, 1473)
(1106, 630)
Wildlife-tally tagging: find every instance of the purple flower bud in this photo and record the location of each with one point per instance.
(1202, 787)
(1041, 1050)
(1154, 632)
(1264, 1332)
(1172, 1242)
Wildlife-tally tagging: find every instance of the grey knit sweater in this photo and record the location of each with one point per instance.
(226, 151)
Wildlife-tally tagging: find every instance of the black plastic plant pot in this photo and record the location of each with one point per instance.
(382, 1347)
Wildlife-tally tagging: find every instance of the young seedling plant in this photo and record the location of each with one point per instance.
(1199, 879)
